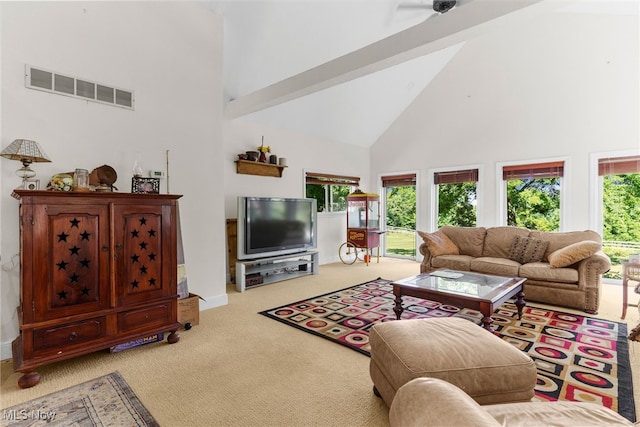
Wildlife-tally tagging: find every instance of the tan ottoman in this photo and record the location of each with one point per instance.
(456, 350)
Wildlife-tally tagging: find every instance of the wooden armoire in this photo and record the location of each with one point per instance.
(97, 270)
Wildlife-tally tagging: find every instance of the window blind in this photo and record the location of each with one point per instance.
(327, 179)
(399, 180)
(455, 177)
(533, 171)
(619, 165)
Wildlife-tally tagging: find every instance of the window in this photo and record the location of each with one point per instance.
(330, 191)
(620, 180)
(400, 212)
(533, 195)
(457, 197)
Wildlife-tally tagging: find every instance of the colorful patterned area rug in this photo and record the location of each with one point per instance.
(579, 358)
(104, 401)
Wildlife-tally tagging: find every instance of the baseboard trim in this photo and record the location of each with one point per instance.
(213, 301)
(205, 304)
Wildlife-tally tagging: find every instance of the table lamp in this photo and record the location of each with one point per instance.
(27, 152)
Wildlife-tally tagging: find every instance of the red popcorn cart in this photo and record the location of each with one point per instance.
(363, 228)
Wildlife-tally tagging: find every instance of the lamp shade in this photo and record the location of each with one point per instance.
(25, 150)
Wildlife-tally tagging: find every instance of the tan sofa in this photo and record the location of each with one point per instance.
(434, 402)
(561, 268)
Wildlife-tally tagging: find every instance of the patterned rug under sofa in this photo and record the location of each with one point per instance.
(579, 358)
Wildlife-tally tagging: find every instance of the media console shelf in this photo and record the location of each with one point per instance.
(262, 271)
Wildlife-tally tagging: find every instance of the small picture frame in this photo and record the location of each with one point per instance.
(145, 185)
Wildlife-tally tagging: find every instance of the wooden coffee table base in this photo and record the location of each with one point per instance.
(485, 307)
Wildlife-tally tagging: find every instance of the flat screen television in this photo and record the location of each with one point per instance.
(269, 226)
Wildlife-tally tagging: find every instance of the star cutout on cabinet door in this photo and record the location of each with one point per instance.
(143, 269)
(74, 278)
(74, 250)
(62, 265)
(135, 233)
(143, 245)
(62, 295)
(143, 221)
(74, 222)
(85, 235)
(62, 237)
(85, 263)
(152, 232)
(135, 258)
(152, 256)
(152, 282)
(85, 291)
(135, 284)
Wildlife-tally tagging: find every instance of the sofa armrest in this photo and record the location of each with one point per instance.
(425, 265)
(431, 401)
(590, 271)
(598, 263)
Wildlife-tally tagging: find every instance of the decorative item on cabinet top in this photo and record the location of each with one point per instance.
(145, 185)
(101, 179)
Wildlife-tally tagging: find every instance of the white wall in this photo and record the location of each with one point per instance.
(562, 86)
(170, 54)
(303, 153)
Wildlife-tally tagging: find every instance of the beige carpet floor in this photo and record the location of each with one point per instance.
(238, 368)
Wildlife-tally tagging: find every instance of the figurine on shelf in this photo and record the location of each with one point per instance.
(263, 152)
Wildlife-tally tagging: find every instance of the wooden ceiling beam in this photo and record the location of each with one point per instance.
(438, 32)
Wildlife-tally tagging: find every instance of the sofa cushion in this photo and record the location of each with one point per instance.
(527, 249)
(498, 240)
(469, 240)
(542, 271)
(559, 239)
(439, 243)
(452, 262)
(558, 414)
(573, 253)
(496, 266)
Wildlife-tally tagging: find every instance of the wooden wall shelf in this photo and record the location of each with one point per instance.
(259, 168)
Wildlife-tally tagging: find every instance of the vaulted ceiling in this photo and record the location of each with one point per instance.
(345, 70)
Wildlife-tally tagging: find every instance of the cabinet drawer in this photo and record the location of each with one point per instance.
(155, 315)
(69, 334)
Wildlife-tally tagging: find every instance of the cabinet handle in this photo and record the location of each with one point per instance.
(118, 246)
(105, 248)
(73, 336)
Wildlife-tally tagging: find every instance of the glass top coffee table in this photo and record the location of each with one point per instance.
(475, 291)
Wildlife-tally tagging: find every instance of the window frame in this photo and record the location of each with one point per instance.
(596, 193)
(328, 180)
(595, 179)
(433, 197)
(565, 186)
(397, 180)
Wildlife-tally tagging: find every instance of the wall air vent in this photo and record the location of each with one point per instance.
(52, 82)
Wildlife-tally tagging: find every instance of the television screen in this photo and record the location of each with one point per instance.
(275, 226)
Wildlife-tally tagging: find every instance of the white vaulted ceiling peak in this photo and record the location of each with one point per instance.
(345, 70)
